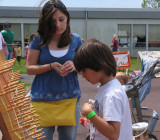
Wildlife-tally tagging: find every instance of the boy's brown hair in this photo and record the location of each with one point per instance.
(95, 55)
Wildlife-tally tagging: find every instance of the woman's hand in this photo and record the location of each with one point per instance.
(64, 69)
(59, 68)
(69, 66)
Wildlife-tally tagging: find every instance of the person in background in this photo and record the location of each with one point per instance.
(122, 77)
(3, 46)
(18, 53)
(1, 41)
(27, 46)
(82, 40)
(26, 51)
(114, 45)
(14, 52)
(8, 36)
(50, 58)
(110, 115)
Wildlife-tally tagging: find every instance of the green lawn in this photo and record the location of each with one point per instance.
(23, 68)
(134, 63)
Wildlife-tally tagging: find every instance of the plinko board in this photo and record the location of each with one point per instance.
(122, 59)
(18, 120)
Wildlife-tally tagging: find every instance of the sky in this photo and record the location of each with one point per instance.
(78, 3)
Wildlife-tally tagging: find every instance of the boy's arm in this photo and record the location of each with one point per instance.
(109, 129)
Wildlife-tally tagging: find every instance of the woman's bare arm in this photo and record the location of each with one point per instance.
(32, 67)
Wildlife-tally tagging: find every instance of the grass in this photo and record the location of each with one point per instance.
(22, 68)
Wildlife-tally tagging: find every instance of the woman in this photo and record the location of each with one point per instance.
(114, 44)
(26, 50)
(50, 58)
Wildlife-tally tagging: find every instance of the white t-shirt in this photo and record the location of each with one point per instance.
(112, 105)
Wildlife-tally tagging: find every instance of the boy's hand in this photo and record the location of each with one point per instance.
(86, 109)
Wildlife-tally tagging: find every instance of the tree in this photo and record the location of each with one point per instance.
(150, 3)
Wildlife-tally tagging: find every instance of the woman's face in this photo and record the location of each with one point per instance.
(60, 21)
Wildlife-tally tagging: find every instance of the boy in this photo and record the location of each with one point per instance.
(18, 53)
(111, 117)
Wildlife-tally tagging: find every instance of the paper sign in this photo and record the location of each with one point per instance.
(122, 59)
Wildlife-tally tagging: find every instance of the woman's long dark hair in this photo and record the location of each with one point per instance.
(46, 26)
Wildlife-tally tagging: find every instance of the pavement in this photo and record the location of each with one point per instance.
(89, 92)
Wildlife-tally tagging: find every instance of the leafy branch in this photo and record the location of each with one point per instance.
(150, 3)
